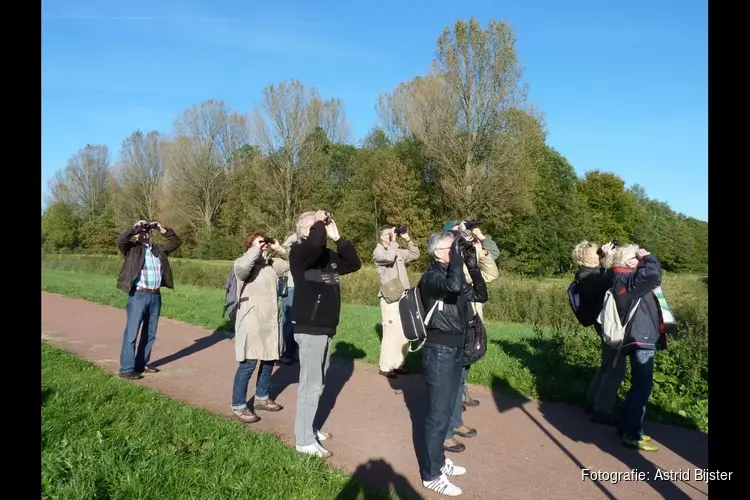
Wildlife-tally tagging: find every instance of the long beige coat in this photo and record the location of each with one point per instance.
(258, 326)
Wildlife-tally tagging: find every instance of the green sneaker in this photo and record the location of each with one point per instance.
(642, 444)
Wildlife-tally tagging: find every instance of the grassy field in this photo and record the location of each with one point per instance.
(105, 438)
(554, 362)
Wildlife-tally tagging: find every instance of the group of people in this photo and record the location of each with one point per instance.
(631, 274)
(463, 262)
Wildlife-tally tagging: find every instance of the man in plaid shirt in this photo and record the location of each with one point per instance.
(144, 271)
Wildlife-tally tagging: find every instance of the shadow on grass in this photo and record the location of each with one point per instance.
(558, 381)
(569, 422)
(46, 393)
(224, 332)
(372, 479)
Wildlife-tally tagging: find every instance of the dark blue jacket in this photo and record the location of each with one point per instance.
(644, 331)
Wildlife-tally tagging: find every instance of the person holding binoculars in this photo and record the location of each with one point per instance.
(144, 271)
(257, 336)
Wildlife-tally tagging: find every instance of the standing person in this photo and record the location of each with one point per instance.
(290, 346)
(488, 270)
(144, 271)
(316, 308)
(593, 279)
(444, 287)
(257, 327)
(637, 273)
(490, 248)
(390, 263)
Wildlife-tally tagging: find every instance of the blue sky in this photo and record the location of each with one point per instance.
(623, 85)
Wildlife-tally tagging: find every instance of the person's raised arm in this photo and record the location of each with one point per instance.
(646, 276)
(244, 265)
(309, 250)
(173, 241)
(123, 242)
(346, 255)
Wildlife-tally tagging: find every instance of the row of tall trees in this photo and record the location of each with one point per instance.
(461, 141)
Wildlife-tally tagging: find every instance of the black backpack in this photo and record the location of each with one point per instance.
(585, 317)
(413, 318)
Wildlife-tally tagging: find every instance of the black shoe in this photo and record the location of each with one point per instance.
(150, 369)
(131, 376)
(471, 402)
(604, 419)
(589, 408)
(401, 371)
(387, 374)
(463, 407)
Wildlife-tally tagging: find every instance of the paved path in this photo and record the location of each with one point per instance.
(524, 449)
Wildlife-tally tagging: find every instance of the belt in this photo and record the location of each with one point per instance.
(147, 290)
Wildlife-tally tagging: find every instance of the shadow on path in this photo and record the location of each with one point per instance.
(556, 380)
(377, 477)
(574, 424)
(339, 373)
(200, 344)
(415, 397)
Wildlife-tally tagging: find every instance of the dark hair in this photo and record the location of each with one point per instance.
(247, 241)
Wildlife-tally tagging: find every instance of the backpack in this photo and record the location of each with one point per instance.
(476, 341)
(413, 319)
(613, 331)
(585, 317)
(231, 304)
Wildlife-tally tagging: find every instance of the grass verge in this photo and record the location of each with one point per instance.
(105, 438)
(547, 363)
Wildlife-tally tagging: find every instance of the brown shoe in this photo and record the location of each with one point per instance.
(266, 404)
(465, 432)
(131, 376)
(453, 446)
(246, 415)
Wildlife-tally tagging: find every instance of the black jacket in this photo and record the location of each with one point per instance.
(317, 291)
(447, 282)
(134, 258)
(644, 331)
(593, 283)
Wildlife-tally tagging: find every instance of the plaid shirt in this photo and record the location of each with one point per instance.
(150, 276)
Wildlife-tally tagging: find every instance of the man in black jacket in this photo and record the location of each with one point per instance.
(315, 315)
(145, 270)
(446, 293)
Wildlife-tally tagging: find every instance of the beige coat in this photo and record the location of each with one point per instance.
(490, 273)
(391, 261)
(258, 327)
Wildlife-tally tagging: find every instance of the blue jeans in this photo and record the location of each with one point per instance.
(143, 308)
(457, 415)
(242, 380)
(290, 346)
(443, 367)
(641, 384)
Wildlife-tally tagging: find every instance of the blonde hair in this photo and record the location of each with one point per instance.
(584, 254)
(623, 254)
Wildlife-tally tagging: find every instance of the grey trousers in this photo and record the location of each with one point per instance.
(607, 381)
(314, 359)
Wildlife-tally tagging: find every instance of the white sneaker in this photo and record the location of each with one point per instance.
(322, 435)
(451, 469)
(315, 450)
(443, 486)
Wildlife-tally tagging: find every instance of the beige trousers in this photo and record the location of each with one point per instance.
(393, 346)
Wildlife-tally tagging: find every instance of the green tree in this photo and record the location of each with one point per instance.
(60, 227)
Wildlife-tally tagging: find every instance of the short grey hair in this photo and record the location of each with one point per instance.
(301, 223)
(434, 242)
(623, 254)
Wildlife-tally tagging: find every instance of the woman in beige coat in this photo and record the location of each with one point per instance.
(257, 327)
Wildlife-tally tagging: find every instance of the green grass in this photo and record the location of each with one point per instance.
(105, 438)
(552, 363)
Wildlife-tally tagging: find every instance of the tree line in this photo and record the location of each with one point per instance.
(460, 141)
